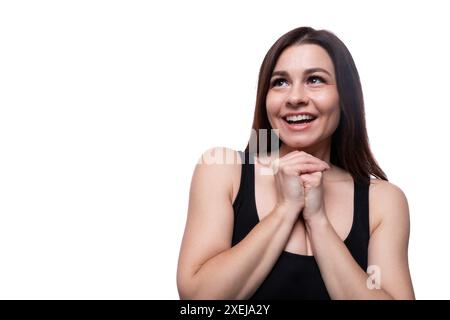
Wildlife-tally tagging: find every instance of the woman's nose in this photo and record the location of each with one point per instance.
(297, 95)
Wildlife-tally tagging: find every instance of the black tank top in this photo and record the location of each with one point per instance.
(296, 276)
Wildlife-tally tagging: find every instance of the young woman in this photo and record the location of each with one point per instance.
(327, 223)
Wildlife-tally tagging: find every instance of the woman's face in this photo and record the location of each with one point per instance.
(303, 101)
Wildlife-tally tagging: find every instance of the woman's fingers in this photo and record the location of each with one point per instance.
(301, 157)
(304, 160)
(298, 162)
(302, 168)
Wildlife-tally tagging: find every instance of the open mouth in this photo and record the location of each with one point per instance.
(300, 119)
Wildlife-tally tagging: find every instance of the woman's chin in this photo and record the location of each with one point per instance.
(298, 144)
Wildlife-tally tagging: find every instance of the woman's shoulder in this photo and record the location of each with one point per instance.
(387, 202)
(217, 156)
(383, 189)
(220, 167)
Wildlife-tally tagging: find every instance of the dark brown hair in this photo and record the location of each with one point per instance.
(349, 143)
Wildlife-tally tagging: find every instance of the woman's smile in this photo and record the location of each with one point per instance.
(299, 121)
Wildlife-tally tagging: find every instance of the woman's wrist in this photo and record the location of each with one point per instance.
(317, 222)
(287, 212)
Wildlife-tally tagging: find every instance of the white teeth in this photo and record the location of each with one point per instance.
(300, 117)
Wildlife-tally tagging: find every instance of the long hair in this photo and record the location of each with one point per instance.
(349, 143)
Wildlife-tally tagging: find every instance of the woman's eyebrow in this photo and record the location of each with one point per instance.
(307, 71)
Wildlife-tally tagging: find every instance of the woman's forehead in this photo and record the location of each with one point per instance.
(304, 56)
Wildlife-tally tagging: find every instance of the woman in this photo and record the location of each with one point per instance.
(327, 223)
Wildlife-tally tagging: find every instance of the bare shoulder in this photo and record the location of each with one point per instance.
(387, 202)
(221, 166)
(383, 190)
(220, 156)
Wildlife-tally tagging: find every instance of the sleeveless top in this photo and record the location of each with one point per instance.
(296, 276)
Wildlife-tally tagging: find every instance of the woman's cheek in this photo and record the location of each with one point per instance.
(273, 105)
(332, 122)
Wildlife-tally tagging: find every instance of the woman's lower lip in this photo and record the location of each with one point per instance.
(298, 126)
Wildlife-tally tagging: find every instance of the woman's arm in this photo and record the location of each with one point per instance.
(208, 267)
(388, 250)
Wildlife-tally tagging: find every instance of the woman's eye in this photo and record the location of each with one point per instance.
(316, 78)
(313, 79)
(278, 82)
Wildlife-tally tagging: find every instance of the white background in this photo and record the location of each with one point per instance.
(105, 107)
